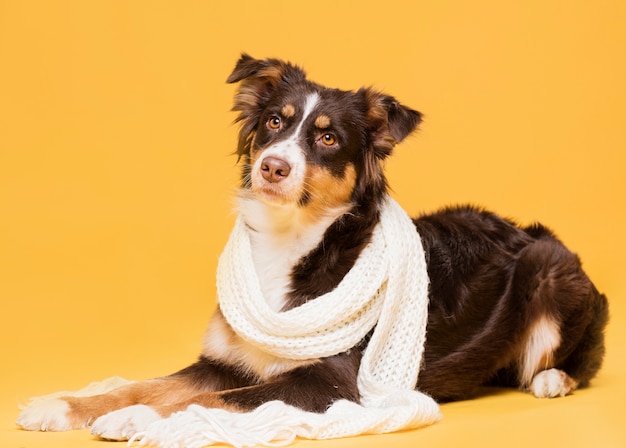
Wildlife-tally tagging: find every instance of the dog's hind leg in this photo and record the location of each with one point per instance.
(564, 344)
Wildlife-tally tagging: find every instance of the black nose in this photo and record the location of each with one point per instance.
(274, 169)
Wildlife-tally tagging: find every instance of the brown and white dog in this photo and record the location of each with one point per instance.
(509, 305)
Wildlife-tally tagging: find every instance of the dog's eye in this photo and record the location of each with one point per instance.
(274, 122)
(329, 139)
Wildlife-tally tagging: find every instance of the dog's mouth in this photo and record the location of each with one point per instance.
(273, 193)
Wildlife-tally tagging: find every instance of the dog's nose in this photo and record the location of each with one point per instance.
(274, 169)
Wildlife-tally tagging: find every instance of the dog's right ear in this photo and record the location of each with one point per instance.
(258, 80)
(272, 70)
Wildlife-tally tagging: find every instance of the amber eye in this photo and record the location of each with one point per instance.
(329, 139)
(273, 122)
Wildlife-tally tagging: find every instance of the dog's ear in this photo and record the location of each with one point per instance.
(389, 122)
(258, 80)
(271, 70)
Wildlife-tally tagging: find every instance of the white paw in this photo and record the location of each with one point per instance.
(552, 383)
(45, 414)
(124, 423)
(49, 412)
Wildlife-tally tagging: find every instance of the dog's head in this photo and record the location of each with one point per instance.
(305, 145)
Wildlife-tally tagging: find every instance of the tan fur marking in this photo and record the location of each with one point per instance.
(157, 393)
(377, 119)
(288, 110)
(327, 191)
(322, 121)
(246, 98)
(271, 72)
(222, 343)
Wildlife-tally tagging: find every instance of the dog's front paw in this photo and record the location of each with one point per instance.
(52, 412)
(45, 414)
(124, 423)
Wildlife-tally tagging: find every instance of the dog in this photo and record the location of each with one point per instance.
(509, 306)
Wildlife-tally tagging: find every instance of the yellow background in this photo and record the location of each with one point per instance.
(116, 177)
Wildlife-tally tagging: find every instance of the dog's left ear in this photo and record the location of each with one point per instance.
(258, 80)
(389, 121)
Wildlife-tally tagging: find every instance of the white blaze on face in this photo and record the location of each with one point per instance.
(289, 150)
(283, 232)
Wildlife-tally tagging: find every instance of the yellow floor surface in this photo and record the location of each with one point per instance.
(116, 175)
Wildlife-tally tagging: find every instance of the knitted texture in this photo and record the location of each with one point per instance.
(387, 288)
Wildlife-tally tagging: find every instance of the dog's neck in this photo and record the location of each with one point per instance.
(280, 235)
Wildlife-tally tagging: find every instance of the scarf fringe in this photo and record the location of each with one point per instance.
(278, 424)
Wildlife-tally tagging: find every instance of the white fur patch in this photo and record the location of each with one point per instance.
(124, 423)
(552, 383)
(49, 412)
(281, 236)
(537, 354)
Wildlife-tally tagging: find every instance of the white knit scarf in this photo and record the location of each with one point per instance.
(387, 288)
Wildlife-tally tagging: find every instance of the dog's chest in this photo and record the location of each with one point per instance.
(279, 238)
(276, 248)
(274, 256)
